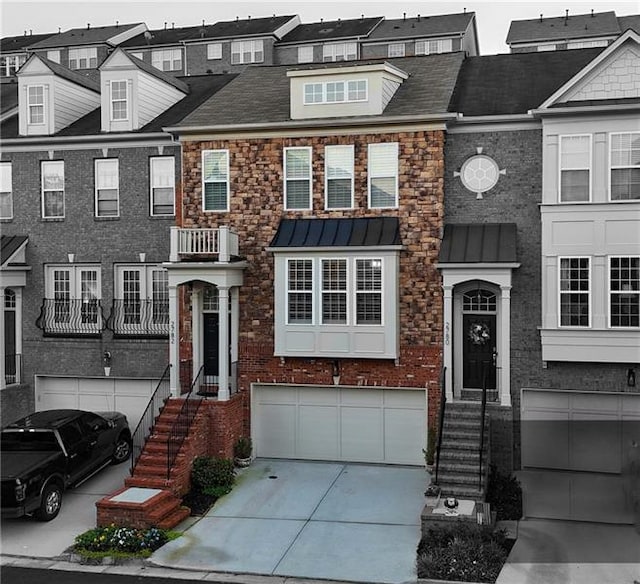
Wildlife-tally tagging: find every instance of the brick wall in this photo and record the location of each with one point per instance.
(256, 207)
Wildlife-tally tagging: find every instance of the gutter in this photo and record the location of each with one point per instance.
(585, 109)
(324, 123)
(97, 138)
(504, 118)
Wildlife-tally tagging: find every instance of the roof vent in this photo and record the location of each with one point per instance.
(540, 17)
(566, 16)
(404, 16)
(592, 14)
(117, 23)
(418, 18)
(173, 25)
(88, 25)
(165, 26)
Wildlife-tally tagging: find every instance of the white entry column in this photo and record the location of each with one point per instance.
(174, 346)
(504, 358)
(447, 339)
(223, 343)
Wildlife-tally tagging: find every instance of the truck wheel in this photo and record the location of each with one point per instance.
(122, 450)
(50, 502)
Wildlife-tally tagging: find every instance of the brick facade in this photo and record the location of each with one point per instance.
(256, 207)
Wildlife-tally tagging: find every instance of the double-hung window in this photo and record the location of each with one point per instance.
(35, 104)
(334, 291)
(162, 184)
(215, 180)
(339, 52)
(167, 59)
(625, 166)
(369, 291)
(624, 292)
(297, 183)
(107, 179)
(243, 52)
(395, 50)
(338, 162)
(433, 47)
(85, 58)
(6, 191)
(300, 291)
(141, 306)
(575, 168)
(119, 101)
(52, 173)
(383, 175)
(575, 291)
(10, 64)
(305, 54)
(214, 51)
(72, 305)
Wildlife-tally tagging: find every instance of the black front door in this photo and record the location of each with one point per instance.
(211, 343)
(10, 346)
(478, 349)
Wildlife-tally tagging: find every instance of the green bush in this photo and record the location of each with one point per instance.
(463, 552)
(119, 540)
(504, 493)
(212, 476)
(242, 448)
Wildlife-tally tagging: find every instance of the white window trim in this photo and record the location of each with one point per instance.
(560, 169)
(75, 292)
(152, 186)
(313, 292)
(610, 292)
(326, 176)
(285, 179)
(172, 60)
(253, 44)
(346, 99)
(54, 55)
(228, 182)
(439, 46)
(125, 100)
(76, 54)
(560, 293)
(611, 168)
(305, 48)
(329, 50)
(95, 181)
(214, 51)
(8, 164)
(400, 53)
(370, 176)
(43, 163)
(30, 121)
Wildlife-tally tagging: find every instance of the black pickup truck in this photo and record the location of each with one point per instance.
(48, 452)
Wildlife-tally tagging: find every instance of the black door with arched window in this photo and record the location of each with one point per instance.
(479, 339)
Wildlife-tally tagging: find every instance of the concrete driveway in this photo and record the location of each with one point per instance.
(28, 537)
(310, 519)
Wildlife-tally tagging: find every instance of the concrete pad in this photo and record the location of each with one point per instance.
(375, 494)
(353, 552)
(233, 544)
(294, 493)
(136, 495)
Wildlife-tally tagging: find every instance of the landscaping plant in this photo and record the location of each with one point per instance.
(120, 541)
(504, 493)
(211, 478)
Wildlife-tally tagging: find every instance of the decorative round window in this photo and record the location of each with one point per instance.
(479, 173)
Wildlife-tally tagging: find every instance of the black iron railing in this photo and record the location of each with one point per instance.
(180, 429)
(139, 318)
(145, 426)
(12, 369)
(443, 402)
(71, 317)
(483, 410)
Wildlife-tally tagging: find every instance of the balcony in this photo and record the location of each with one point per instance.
(70, 318)
(139, 318)
(219, 244)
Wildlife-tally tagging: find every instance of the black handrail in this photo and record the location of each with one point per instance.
(443, 401)
(482, 414)
(181, 426)
(147, 421)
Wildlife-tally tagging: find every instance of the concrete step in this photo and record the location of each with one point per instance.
(460, 443)
(476, 395)
(457, 467)
(452, 421)
(461, 492)
(176, 517)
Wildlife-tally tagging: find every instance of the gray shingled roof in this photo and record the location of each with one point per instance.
(9, 244)
(478, 243)
(330, 30)
(83, 36)
(8, 96)
(68, 74)
(629, 22)
(20, 43)
(421, 26)
(155, 72)
(561, 27)
(261, 94)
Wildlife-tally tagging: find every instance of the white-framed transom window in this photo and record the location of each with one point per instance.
(433, 47)
(215, 180)
(214, 51)
(383, 175)
(243, 52)
(52, 173)
(625, 166)
(297, 178)
(574, 276)
(83, 58)
(340, 52)
(575, 168)
(6, 191)
(162, 183)
(624, 292)
(167, 59)
(119, 100)
(107, 181)
(35, 104)
(339, 162)
(305, 54)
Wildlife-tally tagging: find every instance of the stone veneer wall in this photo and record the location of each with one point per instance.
(256, 208)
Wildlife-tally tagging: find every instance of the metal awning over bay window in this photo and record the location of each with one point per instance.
(336, 287)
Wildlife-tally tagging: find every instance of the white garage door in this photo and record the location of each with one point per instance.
(97, 394)
(342, 424)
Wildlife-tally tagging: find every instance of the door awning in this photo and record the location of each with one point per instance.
(473, 243)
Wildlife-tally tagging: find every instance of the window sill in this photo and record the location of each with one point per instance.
(107, 218)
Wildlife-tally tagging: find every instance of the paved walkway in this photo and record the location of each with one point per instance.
(310, 520)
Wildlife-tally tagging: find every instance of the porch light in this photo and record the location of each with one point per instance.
(336, 372)
(631, 377)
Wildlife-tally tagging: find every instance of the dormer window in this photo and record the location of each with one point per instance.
(119, 109)
(167, 59)
(340, 52)
(35, 104)
(335, 92)
(433, 47)
(86, 58)
(243, 52)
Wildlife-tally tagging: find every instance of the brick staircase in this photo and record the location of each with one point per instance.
(150, 472)
(459, 457)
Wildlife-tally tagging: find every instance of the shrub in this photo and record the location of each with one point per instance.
(242, 448)
(463, 552)
(430, 452)
(212, 476)
(505, 495)
(121, 540)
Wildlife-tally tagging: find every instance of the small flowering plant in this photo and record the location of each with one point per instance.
(117, 539)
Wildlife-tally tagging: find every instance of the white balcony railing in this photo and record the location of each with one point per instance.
(221, 242)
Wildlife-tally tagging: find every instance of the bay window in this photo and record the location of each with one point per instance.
(624, 292)
(575, 291)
